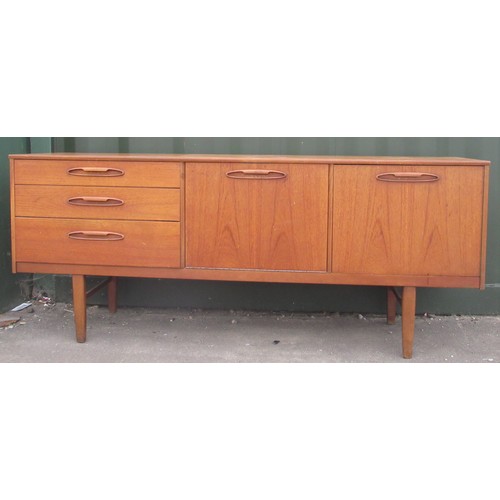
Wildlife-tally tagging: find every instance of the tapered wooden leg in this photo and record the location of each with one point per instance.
(392, 301)
(112, 295)
(80, 307)
(409, 300)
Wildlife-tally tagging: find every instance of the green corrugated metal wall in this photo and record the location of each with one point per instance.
(10, 292)
(306, 297)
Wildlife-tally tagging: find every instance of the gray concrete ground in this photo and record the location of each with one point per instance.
(45, 334)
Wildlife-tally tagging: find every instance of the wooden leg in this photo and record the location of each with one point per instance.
(392, 301)
(409, 301)
(80, 307)
(112, 295)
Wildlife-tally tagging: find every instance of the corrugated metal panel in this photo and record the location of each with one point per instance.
(10, 292)
(431, 300)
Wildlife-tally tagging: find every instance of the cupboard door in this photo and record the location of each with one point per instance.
(407, 220)
(257, 216)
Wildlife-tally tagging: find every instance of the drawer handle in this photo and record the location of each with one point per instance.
(96, 236)
(256, 174)
(407, 177)
(95, 201)
(96, 172)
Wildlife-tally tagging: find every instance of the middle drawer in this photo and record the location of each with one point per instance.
(85, 202)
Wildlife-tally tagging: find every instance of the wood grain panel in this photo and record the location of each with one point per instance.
(138, 203)
(214, 158)
(80, 307)
(13, 215)
(484, 228)
(253, 276)
(275, 224)
(146, 244)
(136, 174)
(408, 228)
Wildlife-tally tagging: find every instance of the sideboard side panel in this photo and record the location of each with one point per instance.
(486, 174)
(13, 215)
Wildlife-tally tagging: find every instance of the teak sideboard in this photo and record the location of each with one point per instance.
(391, 221)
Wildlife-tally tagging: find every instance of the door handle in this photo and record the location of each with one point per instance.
(96, 236)
(256, 174)
(95, 201)
(96, 172)
(407, 177)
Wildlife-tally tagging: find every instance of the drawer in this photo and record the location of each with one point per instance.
(98, 242)
(97, 173)
(87, 202)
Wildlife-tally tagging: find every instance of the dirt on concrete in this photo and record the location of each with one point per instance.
(45, 333)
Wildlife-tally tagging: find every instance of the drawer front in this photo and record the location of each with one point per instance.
(85, 202)
(102, 242)
(97, 173)
(408, 220)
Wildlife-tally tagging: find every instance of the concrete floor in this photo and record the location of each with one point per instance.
(45, 334)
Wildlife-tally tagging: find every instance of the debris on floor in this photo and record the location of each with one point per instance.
(148, 335)
(8, 320)
(43, 298)
(20, 307)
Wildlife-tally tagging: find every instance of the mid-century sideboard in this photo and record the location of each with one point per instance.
(391, 221)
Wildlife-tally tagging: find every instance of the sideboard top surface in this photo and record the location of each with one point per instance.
(339, 160)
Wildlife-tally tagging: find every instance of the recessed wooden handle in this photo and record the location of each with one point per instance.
(96, 172)
(256, 174)
(96, 236)
(407, 177)
(95, 201)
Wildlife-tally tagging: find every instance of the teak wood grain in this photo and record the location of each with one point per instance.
(252, 223)
(12, 172)
(144, 244)
(79, 307)
(252, 275)
(215, 158)
(484, 225)
(314, 219)
(419, 228)
(408, 305)
(392, 303)
(135, 173)
(137, 203)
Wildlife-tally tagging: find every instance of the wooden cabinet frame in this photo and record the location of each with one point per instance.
(387, 221)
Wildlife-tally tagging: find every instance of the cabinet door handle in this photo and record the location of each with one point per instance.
(256, 174)
(95, 201)
(96, 172)
(96, 236)
(407, 177)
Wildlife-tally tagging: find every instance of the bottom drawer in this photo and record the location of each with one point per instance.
(98, 242)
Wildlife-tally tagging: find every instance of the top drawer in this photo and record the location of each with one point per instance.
(97, 173)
